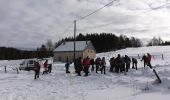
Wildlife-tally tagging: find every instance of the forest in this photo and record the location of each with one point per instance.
(104, 42)
(9, 53)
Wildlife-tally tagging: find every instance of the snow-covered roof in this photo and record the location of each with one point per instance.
(69, 46)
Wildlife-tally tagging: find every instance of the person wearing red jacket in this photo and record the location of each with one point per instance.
(45, 67)
(149, 60)
(86, 63)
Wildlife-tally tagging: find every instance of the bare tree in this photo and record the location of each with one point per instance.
(49, 45)
(155, 41)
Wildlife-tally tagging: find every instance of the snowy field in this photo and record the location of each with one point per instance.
(136, 85)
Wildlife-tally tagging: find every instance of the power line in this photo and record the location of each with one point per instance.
(67, 29)
(88, 15)
(95, 11)
(110, 23)
(103, 25)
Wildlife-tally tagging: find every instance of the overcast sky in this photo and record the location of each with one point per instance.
(30, 23)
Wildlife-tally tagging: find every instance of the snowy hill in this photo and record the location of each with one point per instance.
(136, 85)
(155, 51)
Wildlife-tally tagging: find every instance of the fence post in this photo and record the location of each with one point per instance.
(138, 56)
(153, 57)
(162, 57)
(5, 69)
(17, 71)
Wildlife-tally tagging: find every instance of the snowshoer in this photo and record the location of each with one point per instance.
(118, 61)
(79, 66)
(49, 68)
(45, 67)
(67, 65)
(144, 59)
(149, 60)
(97, 63)
(112, 64)
(127, 62)
(76, 65)
(134, 63)
(92, 65)
(103, 64)
(37, 70)
(122, 68)
(86, 63)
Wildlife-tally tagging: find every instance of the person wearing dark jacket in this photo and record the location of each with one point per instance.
(127, 62)
(118, 61)
(49, 68)
(76, 65)
(144, 59)
(134, 63)
(37, 70)
(67, 65)
(112, 64)
(97, 63)
(149, 60)
(79, 66)
(103, 64)
(122, 68)
(100, 63)
(92, 65)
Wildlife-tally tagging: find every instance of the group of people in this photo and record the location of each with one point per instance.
(84, 65)
(122, 64)
(47, 68)
(117, 64)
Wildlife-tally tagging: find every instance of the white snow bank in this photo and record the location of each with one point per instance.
(136, 85)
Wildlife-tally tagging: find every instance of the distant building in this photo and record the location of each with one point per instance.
(65, 51)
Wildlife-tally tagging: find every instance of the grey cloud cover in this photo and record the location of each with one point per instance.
(29, 23)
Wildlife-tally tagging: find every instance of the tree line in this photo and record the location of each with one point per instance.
(166, 43)
(9, 53)
(158, 42)
(104, 42)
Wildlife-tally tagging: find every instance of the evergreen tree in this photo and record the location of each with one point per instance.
(104, 42)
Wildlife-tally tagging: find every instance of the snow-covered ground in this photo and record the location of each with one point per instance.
(136, 85)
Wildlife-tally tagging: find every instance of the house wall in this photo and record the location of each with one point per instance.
(63, 56)
(89, 53)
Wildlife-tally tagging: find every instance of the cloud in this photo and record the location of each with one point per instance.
(29, 23)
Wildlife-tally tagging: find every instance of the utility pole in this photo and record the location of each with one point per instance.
(74, 38)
